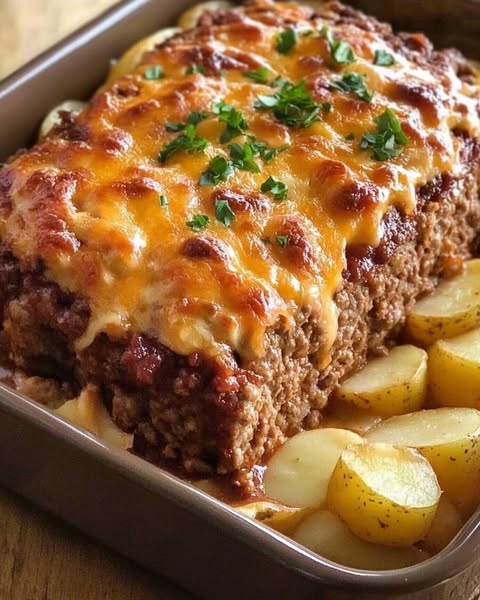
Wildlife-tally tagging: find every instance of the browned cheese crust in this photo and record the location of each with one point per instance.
(226, 411)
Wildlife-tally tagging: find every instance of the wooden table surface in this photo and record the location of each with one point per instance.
(40, 557)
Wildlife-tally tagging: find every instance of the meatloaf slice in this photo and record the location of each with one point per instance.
(99, 280)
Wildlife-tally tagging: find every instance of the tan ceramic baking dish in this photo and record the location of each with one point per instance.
(134, 507)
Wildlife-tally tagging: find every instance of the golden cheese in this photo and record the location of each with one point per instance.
(87, 199)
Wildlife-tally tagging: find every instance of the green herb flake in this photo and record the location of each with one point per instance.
(154, 72)
(264, 150)
(198, 222)
(233, 119)
(353, 83)
(194, 118)
(383, 58)
(219, 169)
(223, 212)
(282, 240)
(389, 140)
(277, 188)
(326, 107)
(192, 69)
(308, 33)
(286, 41)
(188, 141)
(242, 157)
(163, 200)
(260, 75)
(266, 240)
(341, 52)
(291, 105)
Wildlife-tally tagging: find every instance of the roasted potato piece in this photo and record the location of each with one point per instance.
(298, 473)
(190, 17)
(449, 439)
(325, 534)
(454, 371)
(133, 56)
(392, 385)
(344, 416)
(445, 526)
(385, 495)
(278, 516)
(452, 309)
(53, 117)
(89, 412)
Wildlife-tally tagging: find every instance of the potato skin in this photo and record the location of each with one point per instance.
(372, 515)
(324, 533)
(445, 526)
(392, 385)
(452, 309)
(454, 379)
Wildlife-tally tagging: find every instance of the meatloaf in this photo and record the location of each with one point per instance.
(233, 226)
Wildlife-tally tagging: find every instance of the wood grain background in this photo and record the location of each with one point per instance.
(40, 557)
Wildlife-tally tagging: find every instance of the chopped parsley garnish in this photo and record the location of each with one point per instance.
(198, 222)
(154, 72)
(286, 40)
(260, 75)
(195, 69)
(163, 200)
(383, 58)
(282, 240)
(219, 169)
(223, 212)
(326, 107)
(354, 83)
(291, 105)
(242, 156)
(389, 140)
(188, 140)
(233, 119)
(308, 33)
(194, 118)
(278, 81)
(350, 136)
(341, 52)
(277, 188)
(264, 150)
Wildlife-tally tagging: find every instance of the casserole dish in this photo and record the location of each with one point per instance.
(145, 551)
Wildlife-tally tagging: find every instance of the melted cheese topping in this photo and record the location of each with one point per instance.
(87, 199)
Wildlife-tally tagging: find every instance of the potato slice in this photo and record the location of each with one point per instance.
(445, 526)
(454, 371)
(452, 309)
(385, 495)
(298, 473)
(345, 416)
(278, 516)
(190, 17)
(449, 439)
(89, 412)
(327, 535)
(53, 118)
(392, 385)
(128, 62)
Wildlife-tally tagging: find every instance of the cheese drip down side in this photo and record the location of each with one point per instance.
(141, 238)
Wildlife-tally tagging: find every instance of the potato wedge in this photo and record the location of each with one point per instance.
(454, 371)
(278, 516)
(324, 533)
(190, 17)
(392, 385)
(298, 473)
(89, 412)
(452, 309)
(445, 526)
(133, 56)
(449, 438)
(385, 495)
(53, 117)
